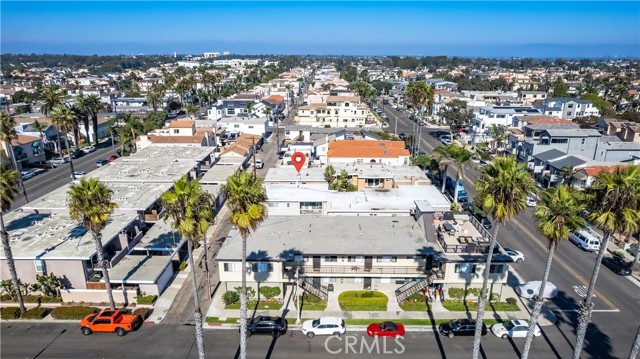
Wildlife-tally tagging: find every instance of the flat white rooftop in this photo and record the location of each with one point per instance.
(170, 153)
(218, 174)
(132, 269)
(160, 237)
(56, 236)
(280, 238)
(395, 200)
(144, 170)
(316, 174)
(128, 196)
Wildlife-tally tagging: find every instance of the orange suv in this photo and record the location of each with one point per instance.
(109, 321)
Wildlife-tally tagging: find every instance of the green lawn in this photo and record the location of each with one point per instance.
(363, 300)
(312, 302)
(460, 306)
(262, 305)
(226, 321)
(414, 306)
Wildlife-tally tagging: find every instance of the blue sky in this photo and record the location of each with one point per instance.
(539, 29)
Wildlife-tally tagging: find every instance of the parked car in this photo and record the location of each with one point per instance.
(112, 158)
(274, 326)
(513, 329)
(78, 174)
(460, 327)
(110, 321)
(27, 174)
(88, 149)
(324, 326)
(617, 265)
(101, 163)
(531, 289)
(586, 240)
(517, 256)
(531, 202)
(57, 161)
(385, 329)
(259, 163)
(402, 136)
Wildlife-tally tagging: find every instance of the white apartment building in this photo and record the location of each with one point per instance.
(337, 111)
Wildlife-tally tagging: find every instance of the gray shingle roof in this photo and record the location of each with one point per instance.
(570, 161)
(549, 155)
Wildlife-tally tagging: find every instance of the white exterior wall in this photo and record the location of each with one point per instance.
(334, 116)
(250, 128)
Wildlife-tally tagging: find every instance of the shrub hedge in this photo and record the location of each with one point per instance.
(142, 312)
(35, 313)
(363, 300)
(74, 312)
(147, 299)
(10, 313)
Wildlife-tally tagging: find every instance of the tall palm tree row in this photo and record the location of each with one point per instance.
(190, 210)
(501, 191)
(557, 215)
(7, 135)
(613, 202)
(452, 155)
(65, 120)
(9, 179)
(90, 204)
(51, 97)
(246, 199)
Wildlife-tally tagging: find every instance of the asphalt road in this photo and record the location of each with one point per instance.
(49, 340)
(617, 303)
(50, 179)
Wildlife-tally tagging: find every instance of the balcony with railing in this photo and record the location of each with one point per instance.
(465, 235)
(358, 269)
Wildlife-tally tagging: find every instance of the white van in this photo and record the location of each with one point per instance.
(586, 239)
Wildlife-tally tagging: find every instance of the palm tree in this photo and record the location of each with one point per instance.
(7, 135)
(154, 99)
(635, 348)
(249, 108)
(557, 216)
(191, 108)
(51, 97)
(501, 191)
(567, 173)
(93, 106)
(246, 199)
(112, 128)
(419, 95)
(191, 213)
(81, 111)
(8, 181)
(444, 156)
(65, 119)
(613, 201)
(90, 204)
(40, 127)
(461, 157)
(134, 126)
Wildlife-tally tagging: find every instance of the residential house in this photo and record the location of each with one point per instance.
(253, 126)
(26, 149)
(529, 97)
(365, 151)
(179, 133)
(441, 84)
(568, 107)
(337, 111)
(486, 117)
(570, 141)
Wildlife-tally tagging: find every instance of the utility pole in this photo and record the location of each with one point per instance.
(395, 132)
(253, 141)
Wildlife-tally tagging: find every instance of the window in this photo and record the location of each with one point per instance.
(232, 267)
(298, 258)
(250, 126)
(262, 267)
(330, 258)
(570, 106)
(569, 113)
(231, 111)
(176, 130)
(386, 259)
(583, 141)
(496, 268)
(373, 182)
(355, 259)
(465, 268)
(559, 140)
(39, 265)
(236, 126)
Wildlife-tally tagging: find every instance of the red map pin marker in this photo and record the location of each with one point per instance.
(298, 160)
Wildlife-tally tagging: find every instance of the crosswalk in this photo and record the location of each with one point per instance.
(581, 290)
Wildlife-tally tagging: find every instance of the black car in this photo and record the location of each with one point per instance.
(617, 265)
(77, 154)
(274, 326)
(402, 136)
(481, 217)
(460, 327)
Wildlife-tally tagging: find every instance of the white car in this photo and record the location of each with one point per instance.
(57, 161)
(517, 256)
(531, 202)
(324, 326)
(513, 329)
(89, 149)
(78, 174)
(27, 174)
(259, 163)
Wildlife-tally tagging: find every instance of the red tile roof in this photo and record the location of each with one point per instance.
(182, 124)
(367, 149)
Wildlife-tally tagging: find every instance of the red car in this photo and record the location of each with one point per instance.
(385, 329)
(113, 158)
